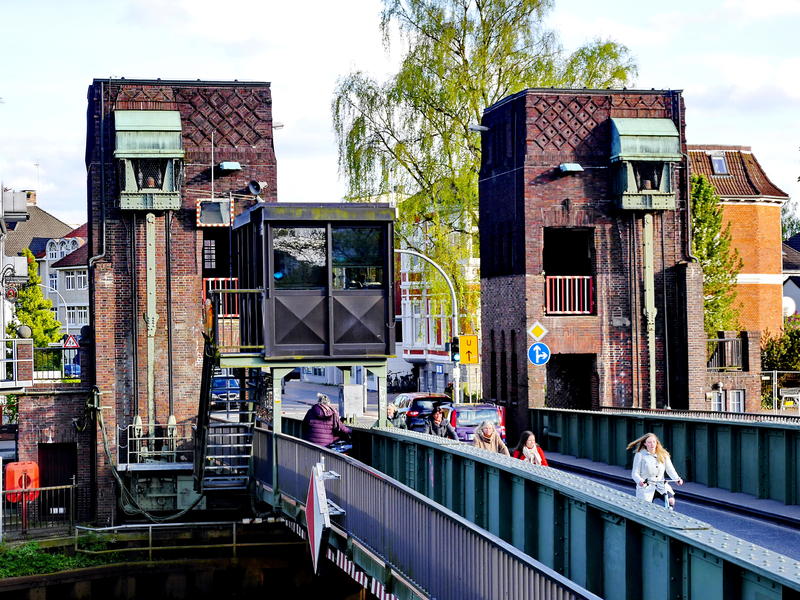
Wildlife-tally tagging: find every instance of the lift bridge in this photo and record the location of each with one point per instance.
(415, 516)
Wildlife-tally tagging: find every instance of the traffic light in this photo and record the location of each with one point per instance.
(455, 355)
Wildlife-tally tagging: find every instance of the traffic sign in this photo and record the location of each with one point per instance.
(70, 342)
(469, 349)
(539, 354)
(537, 331)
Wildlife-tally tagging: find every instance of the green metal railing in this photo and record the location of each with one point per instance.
(757, 458)
(604, 540)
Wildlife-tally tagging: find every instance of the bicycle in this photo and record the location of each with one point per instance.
(663, 492)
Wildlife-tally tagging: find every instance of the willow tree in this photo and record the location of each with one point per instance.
(711, 244)
(410, 136)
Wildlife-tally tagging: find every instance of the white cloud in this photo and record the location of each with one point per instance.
(764, 9)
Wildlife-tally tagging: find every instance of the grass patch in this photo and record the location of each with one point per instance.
(31, 559)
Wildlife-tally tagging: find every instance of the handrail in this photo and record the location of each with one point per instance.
(614, 539)
(430, 545)
(714, 415)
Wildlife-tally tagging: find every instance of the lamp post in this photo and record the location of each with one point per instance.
(454, 326)
(63, 302)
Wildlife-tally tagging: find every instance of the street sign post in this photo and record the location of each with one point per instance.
(539, 354)
(71, 342)
(537, 331)
(469, 349)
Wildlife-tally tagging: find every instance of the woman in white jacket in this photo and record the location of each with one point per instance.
(650, 463)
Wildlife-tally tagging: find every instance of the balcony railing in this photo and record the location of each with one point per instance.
(237, 320)
(569, 295)
(724, 354)
(171, 443)
(16, 363)
(228, 305)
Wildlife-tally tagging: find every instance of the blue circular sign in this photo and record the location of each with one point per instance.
(539, 354)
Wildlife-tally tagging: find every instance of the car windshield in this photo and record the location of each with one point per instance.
(471, 417)
(430, 404)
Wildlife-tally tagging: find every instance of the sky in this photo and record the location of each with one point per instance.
(737, 61)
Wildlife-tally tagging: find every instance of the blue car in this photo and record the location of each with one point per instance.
(72, 370)
(224, 391)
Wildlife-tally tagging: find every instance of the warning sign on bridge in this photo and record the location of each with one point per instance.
(71, 342)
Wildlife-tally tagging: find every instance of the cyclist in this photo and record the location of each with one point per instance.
(650, 463)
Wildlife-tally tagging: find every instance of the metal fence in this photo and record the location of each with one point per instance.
(415, 539)
(716, 415)
(56, 364)
(170, 443)
(37, 512)
(569, 294)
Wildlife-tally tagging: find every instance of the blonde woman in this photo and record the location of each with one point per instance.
(650, 463)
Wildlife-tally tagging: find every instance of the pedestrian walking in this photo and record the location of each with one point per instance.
(529, 451)
(650, 463)
(393, 419)
(435, 424)
(487, 438)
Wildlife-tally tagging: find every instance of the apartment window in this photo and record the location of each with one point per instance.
(719, 166)
(82, 279)
(62, 249)
(77, 315)
(736, 401)
(318, 371)
(718, 401)
(70, 280)
(52, 280)
(52, 251)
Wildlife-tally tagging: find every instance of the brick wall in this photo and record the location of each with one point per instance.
(748, 379)
(54, 414)
(522, 193)
(756, 234)
(240, 116)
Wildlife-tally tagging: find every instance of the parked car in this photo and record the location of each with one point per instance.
(417, 406)
(224, 391)
(466, 417)
(72, 370)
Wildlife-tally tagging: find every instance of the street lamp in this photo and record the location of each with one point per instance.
(454, 326)
(63, 302)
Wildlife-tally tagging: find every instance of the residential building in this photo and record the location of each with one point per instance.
(751, 205)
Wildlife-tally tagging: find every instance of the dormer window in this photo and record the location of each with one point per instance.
(719, 166)
(52, 251)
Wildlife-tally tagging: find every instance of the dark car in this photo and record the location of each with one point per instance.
(466, 417)
(417, 406)
(224, 391)
(72, 370)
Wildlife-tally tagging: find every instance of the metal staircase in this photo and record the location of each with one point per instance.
(224, 434)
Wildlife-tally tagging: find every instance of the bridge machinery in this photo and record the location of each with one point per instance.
(316, 290)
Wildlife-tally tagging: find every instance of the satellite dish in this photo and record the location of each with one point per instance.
(789, 306)
(256, 187)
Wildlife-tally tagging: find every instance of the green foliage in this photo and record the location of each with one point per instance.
(781, 352)
(30, 559)
(409, 136)
(711, 244)
(10, 406)
(790, 221)
(34, 310)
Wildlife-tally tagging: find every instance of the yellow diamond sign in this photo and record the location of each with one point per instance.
(537, 331)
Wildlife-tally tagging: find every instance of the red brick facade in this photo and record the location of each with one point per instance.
(240, 117)
(526, 205)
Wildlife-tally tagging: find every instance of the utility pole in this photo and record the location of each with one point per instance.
(454, 326)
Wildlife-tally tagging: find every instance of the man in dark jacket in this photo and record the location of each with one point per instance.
(436, 425)
(322, 425)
